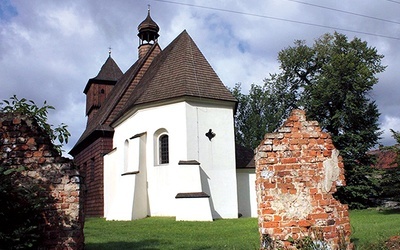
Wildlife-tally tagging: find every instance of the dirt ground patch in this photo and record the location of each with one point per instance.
(393, 242)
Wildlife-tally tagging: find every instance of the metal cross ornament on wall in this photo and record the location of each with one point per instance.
(210, 134)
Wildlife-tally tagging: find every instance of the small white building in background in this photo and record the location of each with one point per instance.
(171, 121)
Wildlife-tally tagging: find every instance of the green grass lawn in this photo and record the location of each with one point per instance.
(370, 229)
(166, 233)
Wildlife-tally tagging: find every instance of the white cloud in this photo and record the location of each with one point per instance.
(389, 123)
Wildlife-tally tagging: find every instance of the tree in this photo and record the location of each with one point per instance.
(395, 148)
(337, 79)
(331, 80)
(261, 111)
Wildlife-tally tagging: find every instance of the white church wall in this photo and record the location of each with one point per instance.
(140, 202)
(161, 178)
(118, 200)
(188, 179)
(124, 195)
(134, 154)
(247, 199)
(186, 125)
(193, 209)
(216, 156)
(110, 179)
(122, 205)
(191, 202)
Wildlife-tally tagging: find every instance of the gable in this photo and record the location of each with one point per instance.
(179, 70)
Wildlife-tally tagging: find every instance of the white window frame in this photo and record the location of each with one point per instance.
(157, 147)
(161, 159)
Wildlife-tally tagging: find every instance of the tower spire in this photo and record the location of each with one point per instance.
(148, 33)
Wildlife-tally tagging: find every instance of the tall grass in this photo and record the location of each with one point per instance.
(370, 228)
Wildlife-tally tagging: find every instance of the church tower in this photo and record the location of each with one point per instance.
(148, 34)
(98, 88)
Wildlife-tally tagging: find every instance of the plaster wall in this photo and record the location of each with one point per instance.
(186, 124)
(216, 155)
(247, 198)
(160, 184)
(110, 181)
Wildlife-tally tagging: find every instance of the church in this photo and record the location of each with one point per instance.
(160, 140)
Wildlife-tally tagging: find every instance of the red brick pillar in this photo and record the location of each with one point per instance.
(297, 171)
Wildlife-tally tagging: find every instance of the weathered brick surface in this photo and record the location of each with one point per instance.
(22, 142)
(297, 171)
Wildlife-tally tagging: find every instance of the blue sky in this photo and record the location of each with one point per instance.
(49, 49)
(7, 11)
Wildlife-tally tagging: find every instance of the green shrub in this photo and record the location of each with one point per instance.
(22, 203)
(21, 210)
(59, 134)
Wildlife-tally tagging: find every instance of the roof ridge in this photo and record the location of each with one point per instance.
(194, 68)
(132, 77)
(171, 75)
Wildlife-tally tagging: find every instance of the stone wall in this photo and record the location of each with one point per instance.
(297, 171)
(23, 143)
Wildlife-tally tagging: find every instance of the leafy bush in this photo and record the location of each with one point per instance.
(23, 106)
(21, 209)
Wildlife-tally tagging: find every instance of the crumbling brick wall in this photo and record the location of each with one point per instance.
(24, 143)
(297, 171)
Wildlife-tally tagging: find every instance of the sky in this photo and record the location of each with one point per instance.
(49, 49)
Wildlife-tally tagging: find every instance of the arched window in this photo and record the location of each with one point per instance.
(126, 155)
(163, 146)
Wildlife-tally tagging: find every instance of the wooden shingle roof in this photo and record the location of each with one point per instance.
(108, 72)
(385, 158)
(179, 70)
(244, 157)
